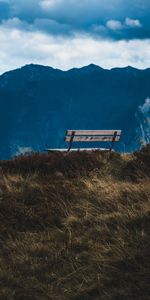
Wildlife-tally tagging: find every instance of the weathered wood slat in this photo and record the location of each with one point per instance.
(92, 138)
(77, 149)
(93, 132)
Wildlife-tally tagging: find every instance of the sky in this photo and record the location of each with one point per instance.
(73, 33)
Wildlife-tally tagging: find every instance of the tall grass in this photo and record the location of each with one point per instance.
(75, 227)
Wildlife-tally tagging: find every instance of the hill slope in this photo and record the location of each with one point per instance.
(75, 227)
(37, 104)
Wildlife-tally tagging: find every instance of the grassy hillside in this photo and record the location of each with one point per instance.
(75, 227)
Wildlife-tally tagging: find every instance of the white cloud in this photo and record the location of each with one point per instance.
(20, 47)
(133, 22)
(46, 4)
(117, 25)
(22, 150)
(114, 25)
(145, 108)
(14, 23)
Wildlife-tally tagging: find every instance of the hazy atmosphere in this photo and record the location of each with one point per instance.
(72, 33)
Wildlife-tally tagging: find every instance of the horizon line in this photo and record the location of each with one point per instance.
(73, 68)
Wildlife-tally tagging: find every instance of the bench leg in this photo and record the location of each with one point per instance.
(71, 141)
(113, 141)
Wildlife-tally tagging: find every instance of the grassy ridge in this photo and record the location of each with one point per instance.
(75, 227)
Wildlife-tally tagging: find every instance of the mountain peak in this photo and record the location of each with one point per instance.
(36, 67)
(86, 69)
(92, 68)
(127, 68)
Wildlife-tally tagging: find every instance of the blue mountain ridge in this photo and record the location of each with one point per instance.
(38, 103)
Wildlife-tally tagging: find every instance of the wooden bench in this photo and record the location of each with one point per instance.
(110, 136)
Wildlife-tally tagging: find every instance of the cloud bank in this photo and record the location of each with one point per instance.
(68, 33)
(76, 15)
(22, 47)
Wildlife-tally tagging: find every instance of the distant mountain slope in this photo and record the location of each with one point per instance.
(37, 104)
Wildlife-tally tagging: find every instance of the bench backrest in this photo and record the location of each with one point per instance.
(92, 136)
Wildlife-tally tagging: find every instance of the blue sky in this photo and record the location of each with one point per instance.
(73, 33)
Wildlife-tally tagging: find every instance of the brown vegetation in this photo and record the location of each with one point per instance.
(75, 226)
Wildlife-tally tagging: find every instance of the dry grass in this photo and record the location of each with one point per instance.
(75, 227)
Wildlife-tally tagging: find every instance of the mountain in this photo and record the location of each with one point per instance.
(37, 105)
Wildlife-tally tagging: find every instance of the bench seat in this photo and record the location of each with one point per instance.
(77, 149)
